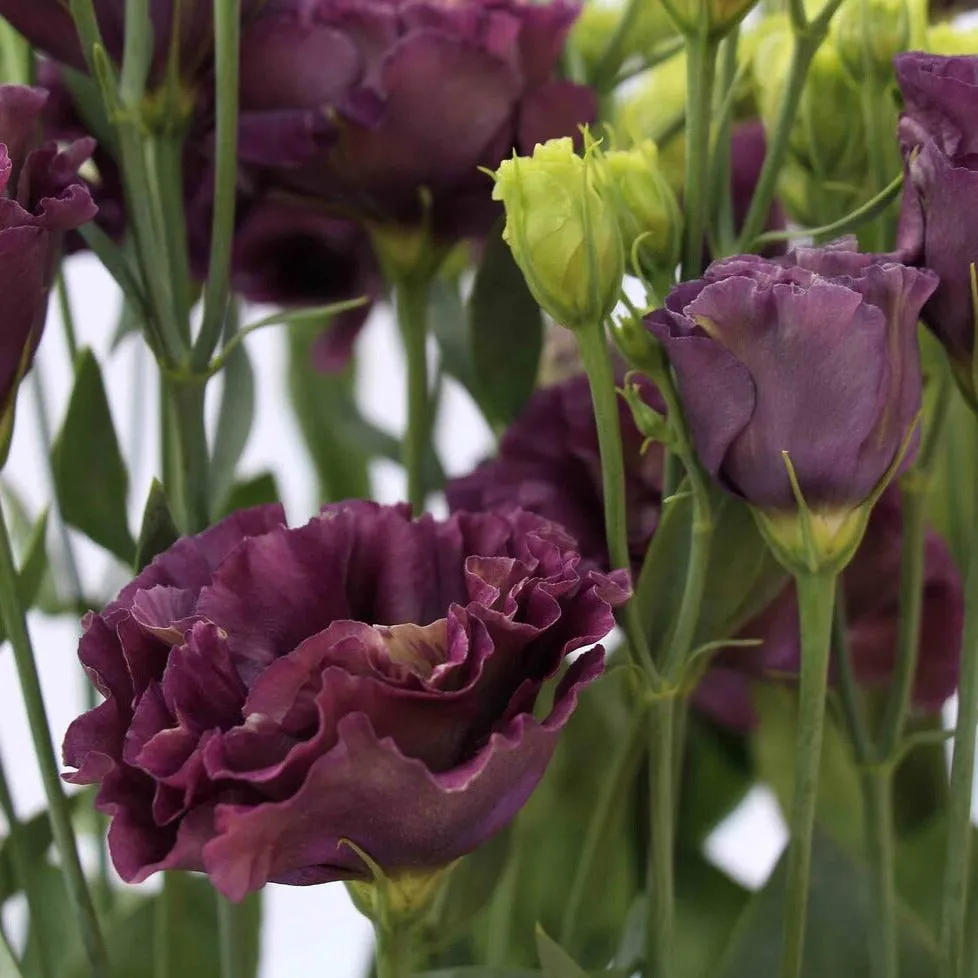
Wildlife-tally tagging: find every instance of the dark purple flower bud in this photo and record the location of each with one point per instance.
(49, 26)
(549, 463)
(41, 197)
(872, 592)
(290, 254)
(939, 136)
(815, 355)
(364, 105)
(271, 692)
(748, 148)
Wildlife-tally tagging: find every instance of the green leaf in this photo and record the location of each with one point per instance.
(35, 839)
(90, 476)
(840, 804)
(554, 960)
(9, 968)
(33, 567)
(130, 930)
(741, 581)
(159, 530)
(450, 327)
(506, 334)
(234, 421)
(476, 971)
(257, 491)
(838, 921)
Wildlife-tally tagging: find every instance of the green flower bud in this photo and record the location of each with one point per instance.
(951, 39)
(648, 215)
(562, 232)
(724, 15)
(596, 27)
(868, 33)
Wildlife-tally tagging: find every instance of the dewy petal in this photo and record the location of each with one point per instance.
(357, 792)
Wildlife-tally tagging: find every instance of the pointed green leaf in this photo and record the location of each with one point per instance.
(90, 476)
(256, 491)
(838, 922)
(506, 328)
(159, 530)
(554, 960)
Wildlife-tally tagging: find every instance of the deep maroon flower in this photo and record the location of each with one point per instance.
(41, 197)
(872, 596)
(365, 104)
(271, 692)
(49, 26)
(549, 463)
(939, 136)
(814, 354)
(293, 255)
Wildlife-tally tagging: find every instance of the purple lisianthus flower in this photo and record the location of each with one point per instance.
(939, 137)
(41, 198)
(271, 692)
(549, 463)
(289, 254)
(814, 354)
(366, 105)
(49, 26)
(871, 585)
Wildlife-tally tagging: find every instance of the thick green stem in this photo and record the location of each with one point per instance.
(628, 753)
(60, 814)
(233, 940)
(660, 889)
(720, 181)
(914, 492)
(162, 937)
(596, 355)
(167, 154)
(816, 598)
(805, 46)
(393, 952)
(955, 894)
(701, 56)
(877, 791)
(193, 455)
(412, 318)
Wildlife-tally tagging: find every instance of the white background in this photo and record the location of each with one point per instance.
(307, 930)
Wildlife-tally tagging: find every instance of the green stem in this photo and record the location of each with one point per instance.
(187, 402)
(914, 492)
(162, 958)
(412, 318)
(233, 940)
(596, 356)
(23, 871)
(168, 158)
(227, 32)
(805, 46)
(67, 316)
(874, 233)
(59, 812)
(607, 806)
(722, 192)
(393, 952)
(816, 597)
(604, 76)
(955, 892)
(877, 791)
(661, 871)
(701, 56)
(848, 688)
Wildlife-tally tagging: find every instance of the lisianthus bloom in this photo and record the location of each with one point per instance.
(41, 197)
(549, 463)
(49, 26)
(814, 354)
(939, 136)
(367, 105)
(288, 254)
(871, 584)
(272, 692)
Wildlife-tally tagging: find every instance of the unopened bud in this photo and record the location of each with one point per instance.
(869, 33)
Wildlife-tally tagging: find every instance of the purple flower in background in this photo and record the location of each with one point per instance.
(939, 136)
(289, 254)
(366, 104)
(49, 26)
(273, 691)
(41, 198)
(814, 354)
(549, 463)
(872, 591)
